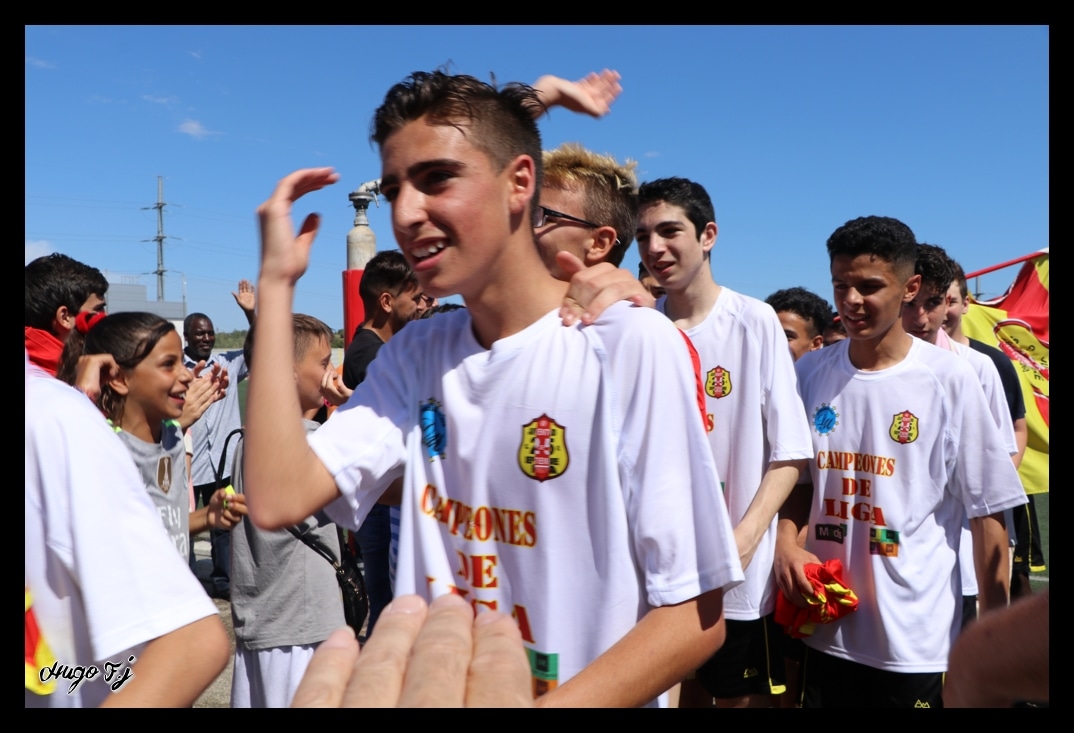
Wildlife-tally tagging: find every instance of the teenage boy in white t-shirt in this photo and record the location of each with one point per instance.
(758, 433)
(924, 317)
(555, 473)
(905, 447)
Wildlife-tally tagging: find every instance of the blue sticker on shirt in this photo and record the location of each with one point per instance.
(825, 418)
(433, 429)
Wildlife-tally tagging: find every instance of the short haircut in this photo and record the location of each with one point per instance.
(959, 276)
(386, 272)
(308, 332)
(934, 267)
(881, 236)
(55, 280)
(812, 308)
(610, 189)
(188, 322)
(502, 122)
(691, 197)
(129, 337)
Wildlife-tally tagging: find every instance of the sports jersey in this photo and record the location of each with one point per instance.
(163, 469)
(104, 578)
(561, 476)
(755, 417)
(989, 380)
(901, 456)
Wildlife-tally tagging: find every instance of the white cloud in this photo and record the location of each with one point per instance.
(652, 154)
(40, 63)
(168, 101)
(196, 130)
(195, 54)
(37, 248)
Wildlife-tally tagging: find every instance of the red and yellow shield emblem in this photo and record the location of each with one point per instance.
(542, 454)
(718, 382)
(903, 427)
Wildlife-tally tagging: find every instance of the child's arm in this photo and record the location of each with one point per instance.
(279, 460)
(791, 557)
(990, 542)
(667, 644)
(175, 668)
(776, 485)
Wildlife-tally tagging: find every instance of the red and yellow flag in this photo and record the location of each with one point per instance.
(38, 654)
(1017, 323)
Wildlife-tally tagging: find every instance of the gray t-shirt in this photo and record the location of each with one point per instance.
(212, 428)
(163, 469)
(282, 592)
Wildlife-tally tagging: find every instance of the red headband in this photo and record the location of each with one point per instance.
(86, 320)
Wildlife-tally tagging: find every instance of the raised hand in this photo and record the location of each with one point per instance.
(285, 255)
(246, 296)
(592, 95)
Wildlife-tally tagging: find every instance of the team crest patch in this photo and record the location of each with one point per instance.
(825, 418)
(433, 429)
(903, 427)
(718, 382)
(542, 455)
(164, 473)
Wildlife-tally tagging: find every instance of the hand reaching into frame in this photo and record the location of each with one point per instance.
(439, 655)
(592, 95)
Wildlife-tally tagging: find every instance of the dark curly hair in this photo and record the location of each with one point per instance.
(881, 236)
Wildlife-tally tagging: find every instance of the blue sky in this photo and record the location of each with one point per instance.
(793, 131)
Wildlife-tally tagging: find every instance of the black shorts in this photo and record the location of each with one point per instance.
(750, 662)
(831, 682)
(969, 610)
(1028, 555)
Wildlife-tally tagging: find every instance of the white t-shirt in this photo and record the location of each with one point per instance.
(104, 576)
(990, 382)
(561, 476)
(902, 455)
(755, 417)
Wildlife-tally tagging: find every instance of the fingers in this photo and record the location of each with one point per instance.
(296, 185)
(603, 89)
(440, 659)
(377, 680)
(592, 290)
(328, 672)
(500, 671)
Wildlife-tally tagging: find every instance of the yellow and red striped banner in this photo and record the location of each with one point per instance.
(1017, 323)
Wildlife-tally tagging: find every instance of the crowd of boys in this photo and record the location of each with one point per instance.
(636, 486)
